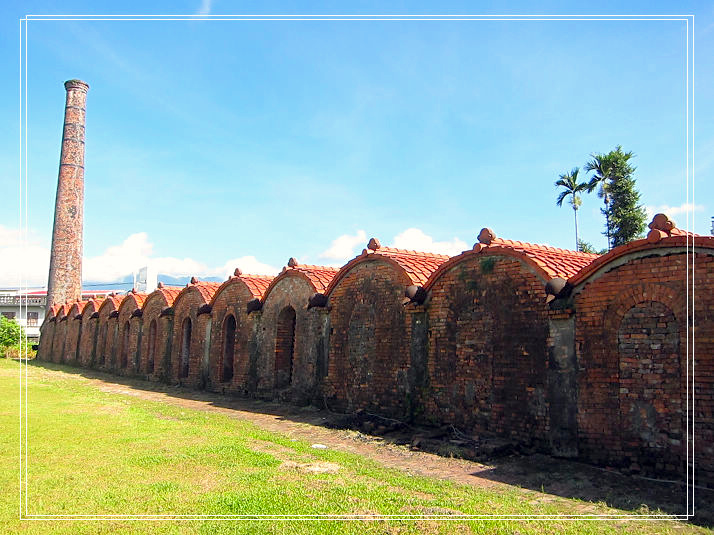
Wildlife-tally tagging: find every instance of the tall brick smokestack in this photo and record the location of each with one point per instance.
(65, 278)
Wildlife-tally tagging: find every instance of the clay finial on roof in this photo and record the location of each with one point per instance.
(373, 244)
(194, 280)
(133, 290)
(160, 285)
(486, 236)
(663, 223)
(237, 272)
(292, 262)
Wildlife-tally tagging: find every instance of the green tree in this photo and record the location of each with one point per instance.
(571, 188)
(11, 334)
(587, 247)
(624, 217)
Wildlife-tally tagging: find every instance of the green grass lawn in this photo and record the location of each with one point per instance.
(96, 453)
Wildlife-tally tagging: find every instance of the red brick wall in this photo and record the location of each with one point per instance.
(59, 339)
(290, 292)
(232, 300)
(186, 307)
(152, 309)
(47, 332)
(90, 330)
(631, 328)
(107, 344)
(71, 345)
(488, 327)
(128, 350)
(369, 341)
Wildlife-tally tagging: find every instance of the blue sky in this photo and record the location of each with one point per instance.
(212, 144)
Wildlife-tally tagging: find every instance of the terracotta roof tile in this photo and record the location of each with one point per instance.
(418, 266)
(318, 276)
(554, 261)
(678, 238)
(205, 288)
(257, 284)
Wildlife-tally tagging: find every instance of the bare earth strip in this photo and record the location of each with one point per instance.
(542, 478)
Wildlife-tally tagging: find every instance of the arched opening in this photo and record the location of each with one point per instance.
(229, 342)
(185, 347)
(651, 404)
(102, 343)
(284, 347)
(151, 357)
(125, 346)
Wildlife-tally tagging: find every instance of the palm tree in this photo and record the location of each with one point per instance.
(569, 181)
(607, 168)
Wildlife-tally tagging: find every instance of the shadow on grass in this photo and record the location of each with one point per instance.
(538, 472)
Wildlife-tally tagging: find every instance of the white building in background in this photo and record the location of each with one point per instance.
(146, 280)
(28, 307)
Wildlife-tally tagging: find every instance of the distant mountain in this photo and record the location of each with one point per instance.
(127, 283)
(183, 281)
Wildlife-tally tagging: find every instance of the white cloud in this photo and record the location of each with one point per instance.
(417, 240)
(672, 211)
(28, 259)
(342, 249)
(31, 261)
(205, 8)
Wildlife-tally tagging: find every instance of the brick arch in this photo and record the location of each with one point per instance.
(487, 356)
(374, 283)
(675, 301)
(285, 348)
(227, 364)
(650, 394)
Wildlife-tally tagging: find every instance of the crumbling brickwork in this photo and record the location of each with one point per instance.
(90, 333)
(233, 357)
(291, 349)
(157, 318)
(74, 333)
(189, 335)
(599, 373)
(487, 350)
(59, 339)
(108, 333)
(631, 328)
(369, 332)
(130, 329)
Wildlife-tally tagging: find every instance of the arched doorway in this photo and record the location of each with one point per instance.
(151, 357)
(185, 347)
(229, 341)
(125, 346)
(284, 347)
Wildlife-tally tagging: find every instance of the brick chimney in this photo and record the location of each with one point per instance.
(65, 278)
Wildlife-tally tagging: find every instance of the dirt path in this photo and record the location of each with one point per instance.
(541, 477)
(307, 424)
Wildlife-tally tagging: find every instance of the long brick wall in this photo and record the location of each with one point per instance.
(576, 355)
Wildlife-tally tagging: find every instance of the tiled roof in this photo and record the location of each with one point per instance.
(549, 261)
(678, 238)
(205, 289)
(112, 301)
(92, 304)
(554, 261)
(256, 284)
(138, 298)
(418, 266)
(318, 276)
(169, 294)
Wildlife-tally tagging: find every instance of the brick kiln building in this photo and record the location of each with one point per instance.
(578, 355)
(573, 354)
